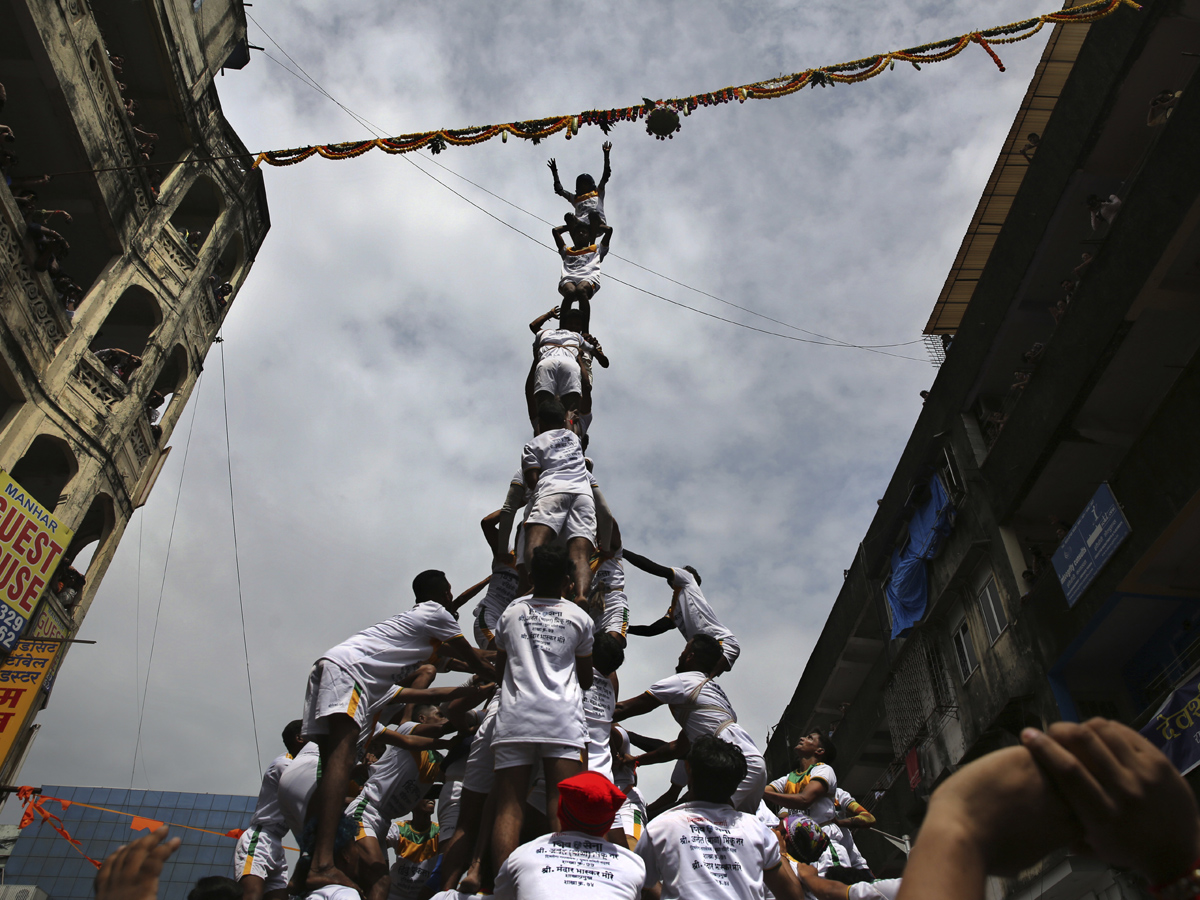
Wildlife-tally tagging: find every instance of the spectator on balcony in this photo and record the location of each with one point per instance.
(1085, 261)
(1034, 354)
(1103, 210)
(220, 292)
(1031, 145)
(122, 362)
(67, 585)
(48, 245)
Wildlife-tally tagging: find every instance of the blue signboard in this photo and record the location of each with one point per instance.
(1175, 728)
(1100, 529)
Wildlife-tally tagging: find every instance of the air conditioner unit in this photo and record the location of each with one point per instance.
(22, 892)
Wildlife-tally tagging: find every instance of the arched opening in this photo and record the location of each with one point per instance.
(45, 469)
(173, 373)
(130, 323)
(232, 259)
(90, 535)
(197, 212)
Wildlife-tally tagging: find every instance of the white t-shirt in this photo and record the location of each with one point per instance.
(559, 455)
(624, 777)
(560, 342)
(393, 786)
(599, 704)
(582, 264)
(335, 892)
(501, 590)
(708, 850)
(611, 571)
(570, 863)
(540, 697)
(690, 611)
(887, 889)
(821, 810)
(267, 813)
(845, 836)
(699, 705)
(383, 654)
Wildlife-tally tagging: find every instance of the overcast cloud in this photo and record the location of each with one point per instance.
(376, 354)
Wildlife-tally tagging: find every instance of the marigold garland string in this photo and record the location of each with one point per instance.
(662, 116)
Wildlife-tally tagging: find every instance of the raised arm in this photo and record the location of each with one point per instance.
(662, 626)
(458, 648)
(597, 350)
(636, 706)
(536, 325)
(649, 566)
(558, 188)
(470, 592)
(607, 231)
(607, 169)
(558, 241)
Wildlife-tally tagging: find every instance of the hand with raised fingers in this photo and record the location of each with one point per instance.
(1135, 808)
(131, 873)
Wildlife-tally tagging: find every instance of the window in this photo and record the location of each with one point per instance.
(990, 605)
(964, 651)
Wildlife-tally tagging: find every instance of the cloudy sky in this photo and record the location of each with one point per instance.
(376, 355)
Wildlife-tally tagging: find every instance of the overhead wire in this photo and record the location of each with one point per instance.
(162, 585)
(237, 563)
(826, 340)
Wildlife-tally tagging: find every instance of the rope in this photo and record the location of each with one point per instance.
(166, 562)
(237, 563)
(28, 796)
(663, 115)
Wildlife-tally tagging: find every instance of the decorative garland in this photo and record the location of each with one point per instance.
(28, 795)
(662, 116)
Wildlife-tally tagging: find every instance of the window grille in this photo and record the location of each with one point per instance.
(964, 650)
(919, 698)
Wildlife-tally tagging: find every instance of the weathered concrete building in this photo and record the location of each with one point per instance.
(117, 101)
(1072, 377)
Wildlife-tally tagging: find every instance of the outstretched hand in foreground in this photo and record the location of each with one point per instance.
(131, 873)
(1098, 785)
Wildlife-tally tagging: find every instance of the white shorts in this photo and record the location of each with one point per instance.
(615, 615)
(580, 279)
(481, 761)
(260, 852)
(732, 649)
(567, 515)
(485, 630)
(750, 792)
(332, 691)
(448, 805)
(296, 787)
(526, 753)
(368, 820)
(631, 817)
(557, 375)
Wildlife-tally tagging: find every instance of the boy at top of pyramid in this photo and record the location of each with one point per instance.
(588, 198)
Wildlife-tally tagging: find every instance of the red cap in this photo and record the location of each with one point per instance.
(588, 803)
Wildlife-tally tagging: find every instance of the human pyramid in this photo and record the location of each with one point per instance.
(536, 793)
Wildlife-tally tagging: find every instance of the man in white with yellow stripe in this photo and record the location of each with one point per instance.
(258, 861)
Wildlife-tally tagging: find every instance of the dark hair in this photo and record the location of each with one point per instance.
(706, 651)
(717, 767)
(428, 583)
(547, 570)
(421, 709)
(433, 793)
(552, 414)
(830, 751)
(585, 184)
(607, 653)
(216, 887)
(571, 315)
(695, 574)
(291, 735)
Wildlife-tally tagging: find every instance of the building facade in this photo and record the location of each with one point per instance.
(102, 819)
(107, 312)
(1035, 555)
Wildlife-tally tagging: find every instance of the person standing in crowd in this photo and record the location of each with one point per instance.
(701, 708)
(706, 848)
(259, 865)
(415, 843)
(544, 650)
(352, 681)
(812, 786)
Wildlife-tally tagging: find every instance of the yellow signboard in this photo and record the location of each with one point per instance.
(21, 678)
(32, 542)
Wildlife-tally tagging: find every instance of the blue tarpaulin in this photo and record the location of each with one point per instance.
(907, 590)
